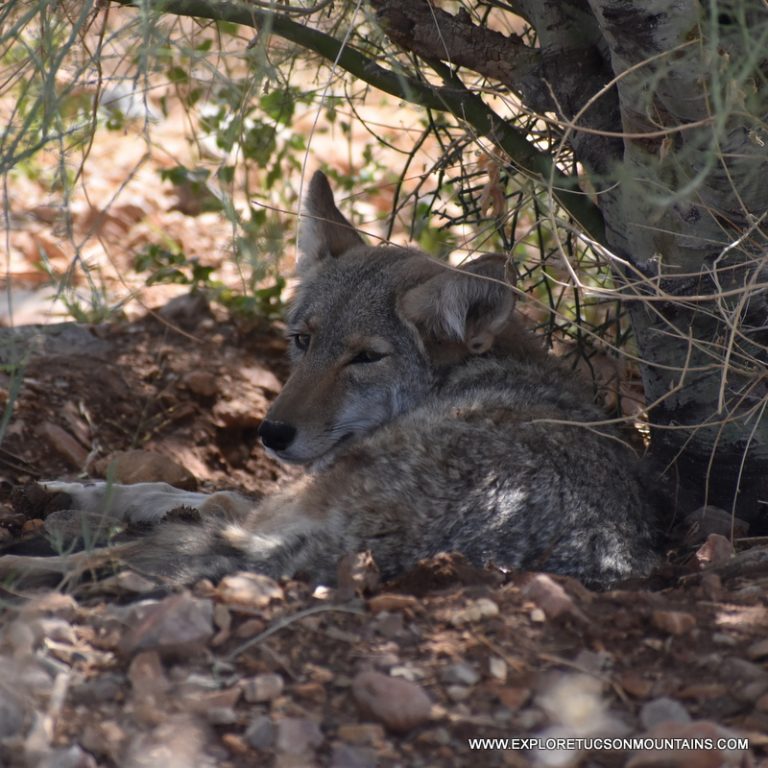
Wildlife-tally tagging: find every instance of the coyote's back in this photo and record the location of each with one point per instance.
(429, 421)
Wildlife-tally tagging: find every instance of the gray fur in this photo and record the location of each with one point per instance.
(429, 422)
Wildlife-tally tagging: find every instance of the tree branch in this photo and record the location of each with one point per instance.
(429, 32)
(456, 98)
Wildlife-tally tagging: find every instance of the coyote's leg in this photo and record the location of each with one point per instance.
(145, 502)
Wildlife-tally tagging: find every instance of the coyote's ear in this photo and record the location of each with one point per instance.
(323, 230)
(469, 305)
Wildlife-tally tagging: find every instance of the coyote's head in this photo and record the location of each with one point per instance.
(370, 329)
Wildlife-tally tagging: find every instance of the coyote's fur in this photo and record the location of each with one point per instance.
(429, 421)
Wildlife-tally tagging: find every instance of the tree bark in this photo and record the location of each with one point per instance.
(689, 202)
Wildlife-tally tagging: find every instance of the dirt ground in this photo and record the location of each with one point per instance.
(115, 671)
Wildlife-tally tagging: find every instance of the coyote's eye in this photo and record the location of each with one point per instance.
(367, 356)
(301, 341)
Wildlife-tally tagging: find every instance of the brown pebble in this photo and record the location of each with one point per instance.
(252, 590)
(64, 444)
(716, 550)
(399, 704)
(758, 650)
(32, 527)
(635, 685)
(362, 734)
(201, 383)
(675, 623)
(392, 602)
(139, 466)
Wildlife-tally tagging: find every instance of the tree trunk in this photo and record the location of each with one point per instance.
(691, 202)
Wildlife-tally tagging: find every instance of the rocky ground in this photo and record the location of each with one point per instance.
(110, 670)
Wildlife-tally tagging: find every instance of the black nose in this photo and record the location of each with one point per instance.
(276, 435)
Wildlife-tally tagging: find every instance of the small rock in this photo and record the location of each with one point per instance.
(260, 733)
(11, 713)
(200, 696)
(202, 383)
(512, 697)
(262, 378)
(758, 650)
(137, 466)
(703, 692)
(130, 581)
(298, 735)
(750, 692)
(389, 624)
(67, 757)
(33, 527)
(179, 624)
(253, 590)
(707, 520)
(345, 756)
(262, 688)
(319, 674)
(186, 310)
(179, 741)
(635, 685)
(675, 623)
(362, 734)
(734, 668)
(98, 690)
(551, 597)
(716, 550)
(688, 758)
(441, 736)
(399, 704)
(235, 744)
(147, 675)
(594, 662)
(392, 602)
(458, 692)
(750, 593)
(459, 674)
(250, 628)
(473, 610)
(221, 716)
(663, 710)
(64, 444)
(576, 702)
(104, 738)
(406, 672)
(497, 668)
(239, 411)
(51, 604)
(222, 617)
(312, 691)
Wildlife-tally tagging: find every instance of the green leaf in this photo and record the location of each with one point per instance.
(259, 143)
(279, 105)
(178, 75)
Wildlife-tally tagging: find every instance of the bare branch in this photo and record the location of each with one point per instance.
(429, 32)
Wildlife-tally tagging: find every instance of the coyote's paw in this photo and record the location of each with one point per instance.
(138, 503)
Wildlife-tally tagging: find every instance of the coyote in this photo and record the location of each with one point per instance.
(429, 421)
